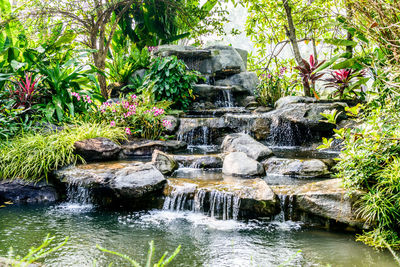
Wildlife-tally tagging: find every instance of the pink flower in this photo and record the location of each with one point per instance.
(166, 123)
(133, 97)
(112, 123)
(128, 131)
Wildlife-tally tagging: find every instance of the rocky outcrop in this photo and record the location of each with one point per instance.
(165, 163)
(97, 149)
(241, 142)
(307, 168)
(249, 198)
(239, 164)
(130, 184)
(200, 161)
(241, 82)
(145, 148)
(19, 191)
(325, 200)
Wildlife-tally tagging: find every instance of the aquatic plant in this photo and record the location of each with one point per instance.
(33, 156)
(163, 261)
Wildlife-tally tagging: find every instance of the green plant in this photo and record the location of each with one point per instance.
(138, 115)
(309, 74)
(370, 162)
(168, 79)
(346, 82)
(35, 253)
(163, 261)
(274, 86)
(32, 156)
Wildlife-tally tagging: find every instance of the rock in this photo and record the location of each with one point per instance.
(256, 199)
(145, 148)
(241, 142)
(19, 191)
(219, 96)
(199, 161)
(239, 164)
(201, 131)
(174, 124)
(262, 109)
(139, 73)
(97, 149)
(243, 54)
(309, 168)
(133, 184)
(165, 163)
(242, 82)
(225, 61)
(287, 100)
(328, 199)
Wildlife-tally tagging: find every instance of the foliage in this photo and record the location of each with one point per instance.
(139, 116)
(32, 156)
(35, 253)
(370, 162)
(346, 82)
(168, 79)
(274, 86)
(149, 262)
(309, 74)
(25, 90)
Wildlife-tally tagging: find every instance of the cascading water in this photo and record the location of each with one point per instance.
(284, 133)
(216, 204)
(226, 99)
(286, 205)
(77, 194)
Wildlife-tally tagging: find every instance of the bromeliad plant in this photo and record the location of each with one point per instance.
(346, 82)
(309, 75)
(137, 115)
(24, 90)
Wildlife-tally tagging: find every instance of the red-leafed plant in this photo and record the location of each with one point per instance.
(309, 75)
(25, 88)
(345, 81)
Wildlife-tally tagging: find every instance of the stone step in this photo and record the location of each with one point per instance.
(212, 113)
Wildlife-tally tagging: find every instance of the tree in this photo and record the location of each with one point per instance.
(274, 24)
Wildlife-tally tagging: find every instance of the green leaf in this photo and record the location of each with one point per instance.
(17, 65)
(341, 42)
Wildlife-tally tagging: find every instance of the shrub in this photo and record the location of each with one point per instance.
(346, 82)
(370, 161)
(33, 156)
(138, 115)
(168, 79)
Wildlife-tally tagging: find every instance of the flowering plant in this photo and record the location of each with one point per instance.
(346, 82)
(135, 115)
(25, 90)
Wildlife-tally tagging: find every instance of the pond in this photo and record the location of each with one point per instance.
(205, 241)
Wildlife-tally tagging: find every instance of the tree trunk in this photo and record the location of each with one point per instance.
(100, 63)
(349, 11)
(291, 34)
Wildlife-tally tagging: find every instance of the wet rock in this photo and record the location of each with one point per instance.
(239, 164)
(128, 184)
(174, 124)
(242, 82)
(19, 191)
(145, 148)
(241, 142)
(309, 168)
(328, 199)
(249, 198)
(200, 161)
(165, 163)
(97, 149)
(202, 131)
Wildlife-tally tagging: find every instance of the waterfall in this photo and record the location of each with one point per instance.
(226, 99)
(216, 204)
(78, 194)
(286, 204)
(285, 133)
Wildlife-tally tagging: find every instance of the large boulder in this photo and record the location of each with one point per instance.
(307, 168)
(132, 184)
(226, 199)
(19, 191)
(165, 163)
(145, 148)
(239, 164)
(241, 142)
(287, 100)
(242, 82)
(97, 149)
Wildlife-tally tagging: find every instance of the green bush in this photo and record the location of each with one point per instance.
(33, 156)
(370, 161)
(169, 79)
